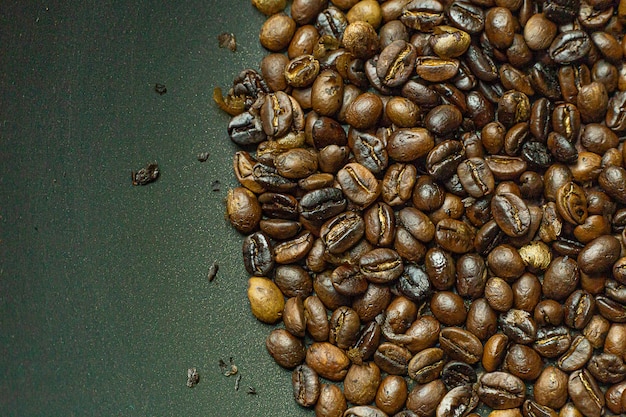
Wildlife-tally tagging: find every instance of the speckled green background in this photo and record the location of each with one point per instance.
(104, 301)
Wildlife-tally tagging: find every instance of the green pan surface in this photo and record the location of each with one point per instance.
(104, 296)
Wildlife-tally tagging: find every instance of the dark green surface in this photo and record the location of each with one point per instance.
(104, 301)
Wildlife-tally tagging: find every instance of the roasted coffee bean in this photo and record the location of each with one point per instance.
(245, 129)
(561, 11)
(613, 182)
(243, 209)
(462, 399)
(476, 177)
(363, 411)
(348, 280)
(443, 159)
(280, 228)
(455, 374)
(406, 145)
(570, 46)
(443, 119)
(358, 184)
(616, 113)
(523, 362)
(499, 27)
(396, 63)
(294, 318)
(511, 214)
(607, 368)
(342, 232)
(454, 236)
(579, 308)
(306, 385)
(327, 360)
(277, 205)
(397, 184)
(461, 345)
(552, 341)
(599, 255)
(611, 309)
(381, 265)
(293, 281)
(585, 393)
(498, 294)
(269, 178)
(494, 352)
(435, 69)
(372, 302)
(344, 327)
(392, 358)
(414, 283)
(322, 204)
(448, 308)
(361, 383)
(331, 401)
(422, 15)
(424, 399)
(287, 350)
(392, 394)
(576, 356)
(481, 65)
(550, 389)
(380, 224)
(519, 326)
(501, 390)
(440, 267)
(481, 320)
(513, 107)
(471, 275)
(426, 365)
(258, 255)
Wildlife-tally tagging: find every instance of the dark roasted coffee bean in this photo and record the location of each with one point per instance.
(306, 385)
(380, 224)
(245, 129)
(481, 320)
(570, 46)
(466, 16)
(397, 184)
(358, 184)
(348, 280)
(280, 228)
(440, 267)
(392, 358)
(414, 283)
(534, 409)
(561, 11)
(476, 177)
(461, 345)
(331, 401)
(322, 204)
(331, 21)
(454, 235)
(396, 63)
(552, 341)
(381, 265)
(471, 275)
(342, 232)
(286, 349)
(422, 15)
(458, 401)
(523, 362)
(443, 159)
(392, 394)
(585, 393)
(406, 145)
(435, 69)
(613, 182)
(571, 203)
(257, 254)
(511, 214)
(607, 368)
(577, 355)
(519, 326)
(501, 390)
(544, 80)
(455, 374)
(561, 149)
(281, 206)
(269, 178)
(611, 309)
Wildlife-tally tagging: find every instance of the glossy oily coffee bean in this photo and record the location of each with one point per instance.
(280, 228)
(579, 308)
(476, 177)
(585, 393)
(519, 326)
(369, 151)
(258, 255)
(380, 224)
(243, 209)
(599, 255)
(306, 385)
(392, 358)
(561, 278)
(455, 374)
(570, 46)
(576, 356)
(406, 145)
(293, 316)
(348, 280)
(523, 362)
(552, 341)
(414, 283)
(402, 112)
(293, 281)
(616, 114)
(269, 178)
(499, 27)
(426, 365)
(443, 159)
(422, 15)
(440, 267)
(396, 63)
(613, 182)
(427, 194)
(417, 223)
(461, 345)
(322, 204)
(494, 351)
(392, 394)
(462, 399)
(443, 119)
(448, 308)
(610, 309)
(454, 236)
(316, 319)
(466, 16)
(358, 184)
(381, 265)
(511, 214)
(501, 390)
(435, 69)
(342, 231)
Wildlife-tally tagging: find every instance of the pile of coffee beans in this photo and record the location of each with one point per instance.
(433, 198)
